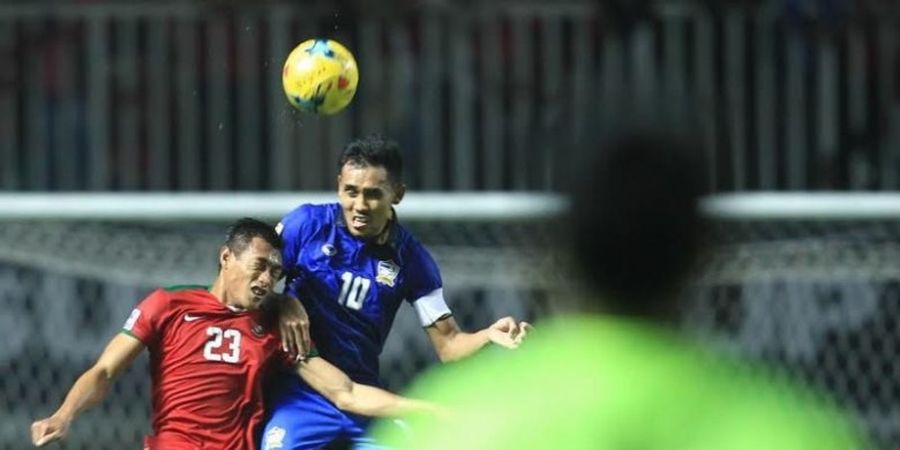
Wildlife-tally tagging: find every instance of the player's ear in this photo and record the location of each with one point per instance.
(224, 256)
(340, 175)
(399, 192)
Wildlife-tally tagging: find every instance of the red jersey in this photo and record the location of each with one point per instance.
(207, 365)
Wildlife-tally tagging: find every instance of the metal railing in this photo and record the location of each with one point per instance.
(156, 96)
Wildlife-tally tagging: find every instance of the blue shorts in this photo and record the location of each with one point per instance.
(302, 419)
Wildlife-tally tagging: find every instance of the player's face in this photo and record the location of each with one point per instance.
(367, 194)
(251, 275)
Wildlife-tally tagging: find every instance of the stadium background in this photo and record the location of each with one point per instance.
(165, 97)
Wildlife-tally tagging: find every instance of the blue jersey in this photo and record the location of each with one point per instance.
(352, 288)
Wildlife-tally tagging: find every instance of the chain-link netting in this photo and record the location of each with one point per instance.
(821, 299)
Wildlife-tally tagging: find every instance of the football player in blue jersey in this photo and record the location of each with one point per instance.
(351, 264)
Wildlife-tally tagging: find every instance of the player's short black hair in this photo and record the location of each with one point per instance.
(374, 150)
(635, 226)
(242, 231)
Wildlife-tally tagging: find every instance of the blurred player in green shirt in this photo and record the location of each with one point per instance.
(616, 375)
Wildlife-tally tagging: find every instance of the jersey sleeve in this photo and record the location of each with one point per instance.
(295, 229)
(145, 320)
(425, 287)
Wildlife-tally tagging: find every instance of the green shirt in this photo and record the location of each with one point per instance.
(602, 383)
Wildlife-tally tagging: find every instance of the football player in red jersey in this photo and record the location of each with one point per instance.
(210, 349)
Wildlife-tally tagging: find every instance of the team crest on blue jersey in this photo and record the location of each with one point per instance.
(274, 438)
(387, 273)
(329, 250)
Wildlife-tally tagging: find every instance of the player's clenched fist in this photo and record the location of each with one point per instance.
(48, 430)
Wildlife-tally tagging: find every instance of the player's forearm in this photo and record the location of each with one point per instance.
(461, 345)
(90, 388)
(374, 402)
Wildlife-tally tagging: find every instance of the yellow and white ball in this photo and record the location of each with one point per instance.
(320, 76)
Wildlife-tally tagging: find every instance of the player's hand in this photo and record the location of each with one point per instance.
(48, 430)
(294, 325)
(508, 333)
(523, 330)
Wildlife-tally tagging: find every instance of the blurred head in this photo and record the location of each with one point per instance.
(369, 180)
(249, 263)
(635, 225)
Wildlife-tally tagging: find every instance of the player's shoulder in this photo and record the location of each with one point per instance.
(185, 288)
(406, 243)
(313, 211)
(309, 215)
(181, 295)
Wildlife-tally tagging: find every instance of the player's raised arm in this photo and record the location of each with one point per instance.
(451, 343)
(424, 284)
(88, 390)
(357, 398)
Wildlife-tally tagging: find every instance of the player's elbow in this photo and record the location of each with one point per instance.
(451, 349)
(102, 373)
(446, 349)
(445, 355)
(345, 401)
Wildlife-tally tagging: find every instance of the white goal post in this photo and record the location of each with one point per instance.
(227, 206)
(423, 206)
(804, 206)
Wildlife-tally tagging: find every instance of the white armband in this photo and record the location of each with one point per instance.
(431, 307)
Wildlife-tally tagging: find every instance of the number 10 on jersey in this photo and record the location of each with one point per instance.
(353, 291)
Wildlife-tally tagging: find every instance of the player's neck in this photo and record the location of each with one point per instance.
(382, 237)
(218, 291)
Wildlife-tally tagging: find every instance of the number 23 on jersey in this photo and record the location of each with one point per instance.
(223, 345)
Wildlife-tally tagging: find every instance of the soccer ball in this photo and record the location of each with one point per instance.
(320, 76)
